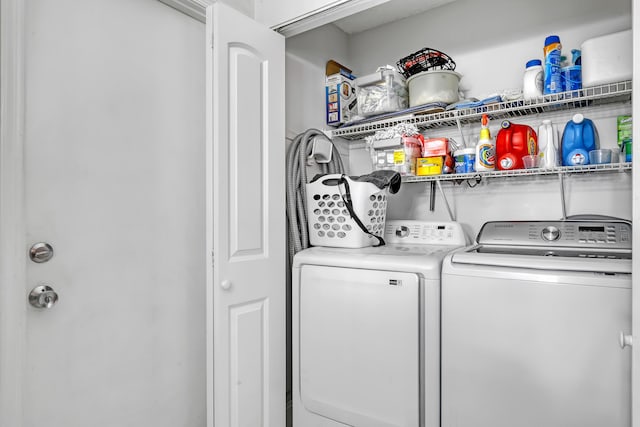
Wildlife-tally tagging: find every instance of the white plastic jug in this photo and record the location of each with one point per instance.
(548, 145)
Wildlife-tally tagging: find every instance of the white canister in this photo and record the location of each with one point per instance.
(433, 86)
(533, 80)
(548, 145)
(465, 160)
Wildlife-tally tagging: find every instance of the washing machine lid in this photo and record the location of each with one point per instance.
(423, 259)
(544, 259)
(412, 246)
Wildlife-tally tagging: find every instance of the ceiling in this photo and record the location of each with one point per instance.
(390, 11)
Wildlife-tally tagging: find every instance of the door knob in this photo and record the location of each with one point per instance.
(625, 340)
(226, 285)
(41, 252)
(43, 296)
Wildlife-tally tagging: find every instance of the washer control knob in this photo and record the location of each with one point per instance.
(550, 233)
(402, 231)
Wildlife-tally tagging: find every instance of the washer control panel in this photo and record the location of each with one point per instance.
(424, 233)
(571, 234)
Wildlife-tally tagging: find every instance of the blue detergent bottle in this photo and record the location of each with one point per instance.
(579, 137)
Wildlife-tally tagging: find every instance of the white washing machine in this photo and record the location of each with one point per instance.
(531, 324)
(366, 330)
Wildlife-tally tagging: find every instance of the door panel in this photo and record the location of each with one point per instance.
(245, 214)
(114, 181)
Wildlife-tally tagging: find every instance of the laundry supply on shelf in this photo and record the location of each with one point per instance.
(340, 94)
(552, 53)
(578, 138)
(514, 141)
(485, 150)
(533, 81)
(625, 129)
(465, 160)
(548, 144)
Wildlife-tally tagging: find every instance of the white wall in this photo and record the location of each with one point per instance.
(306, 58)
(490, 40)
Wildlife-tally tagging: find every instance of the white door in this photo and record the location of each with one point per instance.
(114, 181)
(246, 221)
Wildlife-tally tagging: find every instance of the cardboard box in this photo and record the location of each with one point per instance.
(429, 165)
(340, 93)
(435, 147)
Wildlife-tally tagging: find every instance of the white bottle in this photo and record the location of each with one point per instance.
(533, 80)
(548, 145)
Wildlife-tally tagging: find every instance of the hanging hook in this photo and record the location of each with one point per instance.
(477, 179)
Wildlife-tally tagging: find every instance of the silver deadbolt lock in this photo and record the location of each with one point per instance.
(43, 296)
(41, 252)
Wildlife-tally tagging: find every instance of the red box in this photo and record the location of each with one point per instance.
(432, 147)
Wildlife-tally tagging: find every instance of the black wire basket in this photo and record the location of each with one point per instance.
(426, 59)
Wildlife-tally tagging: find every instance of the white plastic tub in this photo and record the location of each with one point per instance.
(433, 86)
(607, 59)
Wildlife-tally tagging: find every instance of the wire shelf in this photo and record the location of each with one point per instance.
(597, 95)
(562, 170)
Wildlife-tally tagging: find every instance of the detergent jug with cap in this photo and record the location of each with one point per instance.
(512, 143)
(579, 137)
(548, 144)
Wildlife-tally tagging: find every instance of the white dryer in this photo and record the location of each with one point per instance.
(366, 329)
(531, 324)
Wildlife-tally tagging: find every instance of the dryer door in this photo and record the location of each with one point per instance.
(359, 345)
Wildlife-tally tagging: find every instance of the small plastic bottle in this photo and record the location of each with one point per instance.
(533, 81)
(548, 145)
(485, 150)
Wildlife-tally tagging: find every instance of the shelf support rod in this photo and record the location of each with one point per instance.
(432, 197)
(464, 142)
(446, 202)
(562, 200)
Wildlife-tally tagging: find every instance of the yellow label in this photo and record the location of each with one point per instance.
(398, 157)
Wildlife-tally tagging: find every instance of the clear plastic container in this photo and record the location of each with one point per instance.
(398, 154)
(384, 91)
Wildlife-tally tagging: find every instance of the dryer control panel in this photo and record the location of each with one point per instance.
(424, 233)
(568, 234)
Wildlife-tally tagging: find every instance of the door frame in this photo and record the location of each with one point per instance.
(635, 194)
(12, 222)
